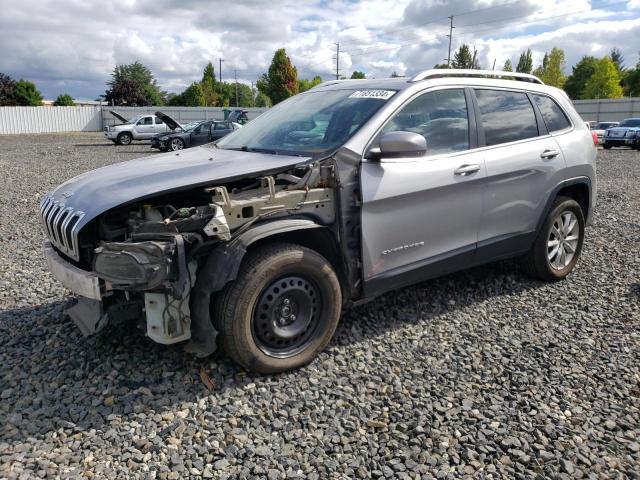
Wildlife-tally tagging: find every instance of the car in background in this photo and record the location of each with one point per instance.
(601, 127)
(627, 134)
(239, 116)
(191, 135)
(140, 127)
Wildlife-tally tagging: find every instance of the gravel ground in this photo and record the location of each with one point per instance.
(484, 373)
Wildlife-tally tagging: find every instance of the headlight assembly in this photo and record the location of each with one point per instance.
(164, 138)
(134, 266)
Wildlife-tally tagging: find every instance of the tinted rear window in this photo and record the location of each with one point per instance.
(554, 117)
(506, 116)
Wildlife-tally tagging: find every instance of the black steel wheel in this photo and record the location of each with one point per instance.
(288, 314)
(282, 309)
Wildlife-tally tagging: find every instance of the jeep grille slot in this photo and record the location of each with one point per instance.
(59, 224)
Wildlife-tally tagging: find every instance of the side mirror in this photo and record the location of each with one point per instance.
(398, 145)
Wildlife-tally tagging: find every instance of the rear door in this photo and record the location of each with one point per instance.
(220, 129)
(524, 163)
(417, 212)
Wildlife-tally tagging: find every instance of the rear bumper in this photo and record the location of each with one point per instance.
(81, 282)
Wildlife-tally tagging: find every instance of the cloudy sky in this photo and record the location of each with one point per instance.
(72, 45)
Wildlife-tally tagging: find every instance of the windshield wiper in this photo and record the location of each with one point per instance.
(245, 148)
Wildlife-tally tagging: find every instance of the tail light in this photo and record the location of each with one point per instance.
(594, 136)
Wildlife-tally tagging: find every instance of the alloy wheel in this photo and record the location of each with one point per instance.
(563, 240)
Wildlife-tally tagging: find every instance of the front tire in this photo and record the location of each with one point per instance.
(125, 138)
(282, 309)
(557, 248)
(176, 144)
(606, 147)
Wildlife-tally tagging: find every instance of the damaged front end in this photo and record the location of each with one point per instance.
(160, 261)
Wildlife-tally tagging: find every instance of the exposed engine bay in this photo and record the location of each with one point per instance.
(148, 254)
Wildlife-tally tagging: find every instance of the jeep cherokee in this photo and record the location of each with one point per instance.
(352, 189)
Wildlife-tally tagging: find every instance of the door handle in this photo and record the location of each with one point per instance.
(466, 169)
(549, 153)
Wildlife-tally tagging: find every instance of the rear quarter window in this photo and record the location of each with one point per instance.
(554, 117)
(506, 116)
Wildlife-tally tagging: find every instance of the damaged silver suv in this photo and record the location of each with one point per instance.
(352, 189)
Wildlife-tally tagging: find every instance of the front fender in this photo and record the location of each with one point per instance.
(221, 267)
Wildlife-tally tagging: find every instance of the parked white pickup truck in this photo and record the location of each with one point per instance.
(141, 127)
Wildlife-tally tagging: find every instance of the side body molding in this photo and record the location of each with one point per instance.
(222, 267)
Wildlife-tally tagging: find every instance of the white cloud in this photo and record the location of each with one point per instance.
(70, 45)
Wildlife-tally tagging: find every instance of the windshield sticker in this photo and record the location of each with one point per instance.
(379, 94)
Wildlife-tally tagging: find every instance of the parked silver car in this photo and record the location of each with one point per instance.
(140, 127)
(332, 197)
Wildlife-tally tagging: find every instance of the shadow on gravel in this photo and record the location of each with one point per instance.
(51, 377)
(431, 299)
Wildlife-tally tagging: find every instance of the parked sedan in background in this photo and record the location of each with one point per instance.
(601, 127)
(624, 135)
(140, 127)
(191, 135)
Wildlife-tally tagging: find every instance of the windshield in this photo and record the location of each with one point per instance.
(630, 122)
(308, 124)
(190, 126)
(604, 125)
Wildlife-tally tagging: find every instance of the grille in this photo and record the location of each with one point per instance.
(60, 225)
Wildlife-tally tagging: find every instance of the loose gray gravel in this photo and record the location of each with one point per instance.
(484, 373)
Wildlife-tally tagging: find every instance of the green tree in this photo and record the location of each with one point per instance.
(617, 58)
(525, 62)
(281, 81)
(551, 71)
(440, 65)
(7, 90)
(507, 66)
(26, 94)
(64, 100)
(193, 96)
(245, 95)
(580, 73)
(262, 100)
(304, 84)
(605, 81)
(358, 75)
(145, 84)
(464, 58)
(631, 81)
(209, 88)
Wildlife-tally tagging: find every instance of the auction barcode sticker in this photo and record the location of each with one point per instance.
(379, 94)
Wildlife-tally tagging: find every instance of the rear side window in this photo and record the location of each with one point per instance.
(158, 121)
(440, 117)
(554, 117)
(506, 116)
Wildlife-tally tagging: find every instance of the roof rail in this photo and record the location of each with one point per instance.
(458, 72)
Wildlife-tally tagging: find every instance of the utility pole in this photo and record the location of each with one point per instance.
(235, 77)
(494, 64)
(451, 27)
(337, 61)
(220, 69)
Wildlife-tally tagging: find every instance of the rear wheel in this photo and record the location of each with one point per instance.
(282, 309)
(125, 138)
(559, 243)
(606, 147)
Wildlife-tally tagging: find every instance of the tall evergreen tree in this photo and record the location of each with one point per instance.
(193, 96)
(281, 81)
(617, 58)
(464, 58)
(551, 71)
(209, 86)
(525, 62)
(507, 66)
